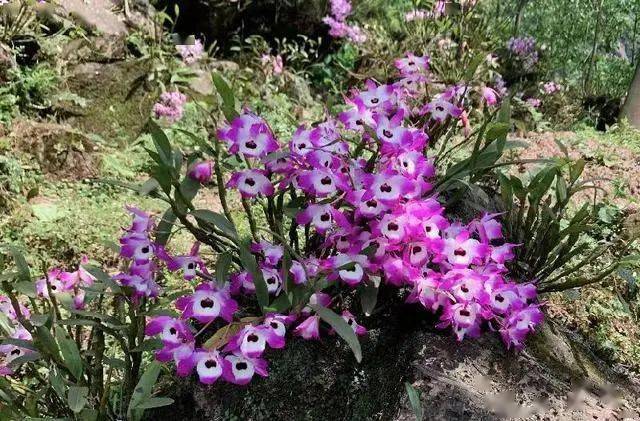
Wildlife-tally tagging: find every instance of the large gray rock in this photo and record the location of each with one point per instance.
(94, 16)
(556, 378)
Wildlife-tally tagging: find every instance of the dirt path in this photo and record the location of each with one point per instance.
(614, 169)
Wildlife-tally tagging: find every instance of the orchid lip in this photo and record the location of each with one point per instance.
(460, 252)
(206, 303)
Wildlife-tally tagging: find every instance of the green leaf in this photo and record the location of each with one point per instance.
(473, 65)
(102, 276)
(562, 146)
(631, 259)
(222, 268)
(39, 319)
(575, 170)
(414, 400)
(24, 274)
(57, 383)
(217, 220)
(341, 327)
(497, 131)
(144, 387)
(189, 188)
(22, 343)
(161, 142)
(249, 262)
(154, 403)
(561, 189)
(281, 304)
(89, 414)
(504, 115)
(77, 398)
(163, 230)
(26, 358)
(369, 296)
(45, 342)
(225, 92)
(26, 288)
(151, 344)
(70, 352)
(149, 186)
(77, 322)
(100, 316)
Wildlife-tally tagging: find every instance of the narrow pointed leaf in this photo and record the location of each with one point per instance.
(341, 327)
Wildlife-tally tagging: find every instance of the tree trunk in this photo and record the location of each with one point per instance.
(631, 108)
(586, 86)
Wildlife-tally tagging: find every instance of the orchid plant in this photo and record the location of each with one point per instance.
(346, 206)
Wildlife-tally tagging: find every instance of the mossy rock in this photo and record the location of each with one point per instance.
(477, 379)
(59, 151)
(116, 105)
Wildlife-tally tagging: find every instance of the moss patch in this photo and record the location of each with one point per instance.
(118, 105)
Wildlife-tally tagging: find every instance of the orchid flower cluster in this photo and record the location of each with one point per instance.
(272, 64)
(524, 48)
(534, 102)
(137, 247)
(191, 53)
(57, 283)
(338, 26)
(366, 221)
(551, 88)
(17, 331)
(170, 106)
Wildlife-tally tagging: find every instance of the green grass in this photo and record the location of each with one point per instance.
(622, 134)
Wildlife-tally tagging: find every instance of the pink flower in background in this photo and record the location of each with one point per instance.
(340, 9)
(490, 96)
(534, 102)
(272, 64)
(191, 53)
(170, 106)
(524, 49)
(201, 171)
(551, 88)
(338, 26)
